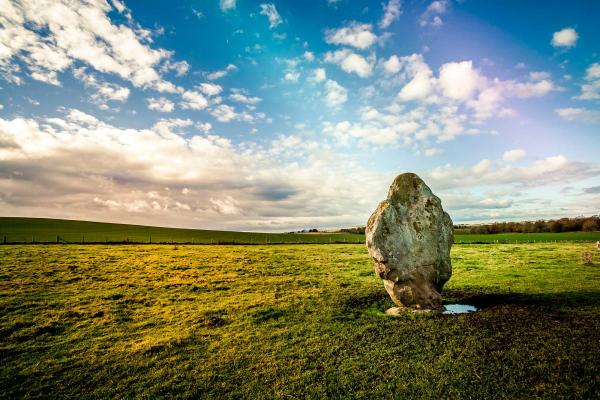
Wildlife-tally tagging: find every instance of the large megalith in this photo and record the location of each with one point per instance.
(409, 236)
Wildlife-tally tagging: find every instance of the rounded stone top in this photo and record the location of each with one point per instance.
(407, 189)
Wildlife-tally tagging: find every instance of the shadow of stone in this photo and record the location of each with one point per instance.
(571, 299)
(350, 307)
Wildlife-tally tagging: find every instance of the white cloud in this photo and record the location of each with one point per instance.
(355, 34)
(191, 99)
(335, 94)
(350, 62)
(431, 152)
(160, 104)
(420, 82)
(221, 73)
(104, 91)
(270, 11)
(431, 16)
(530, 89)
(593, 72)
(370, 132)
(227, 5)
(392, 65)
(204, 127)
(459, 80)
(566, 38)
(539, 75)
(120, 6)
(379, 128)
(210, 89)
(391, 12)
(226, 206)
(225, 113)
(318, 75)
(291, 76)
(555, 169)
(482, 166)
(180, 67)
(513, 155)
(579, 114)
(199, 14)
(591, 90)
(241, 97)
(49, 36)
(309, 56)
(41, 75)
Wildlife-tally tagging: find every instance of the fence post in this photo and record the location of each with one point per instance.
(4, 239)
(57, 239)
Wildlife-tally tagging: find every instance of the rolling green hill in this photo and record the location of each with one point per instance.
(28, 230)
(43, 230)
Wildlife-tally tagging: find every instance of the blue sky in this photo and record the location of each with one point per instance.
(275, 116)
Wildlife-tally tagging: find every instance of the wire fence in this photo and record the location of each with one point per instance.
(237, 239)
(245, 239)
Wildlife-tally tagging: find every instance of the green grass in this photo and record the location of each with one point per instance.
(301, 321)
(528, 237)
(36, 230)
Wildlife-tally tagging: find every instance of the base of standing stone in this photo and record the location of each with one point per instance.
(400, 310)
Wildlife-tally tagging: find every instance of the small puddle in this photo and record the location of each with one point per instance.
(458, 309)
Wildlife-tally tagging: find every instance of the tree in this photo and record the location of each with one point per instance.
(590, 224)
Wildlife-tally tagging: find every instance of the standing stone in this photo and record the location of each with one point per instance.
(409, 236)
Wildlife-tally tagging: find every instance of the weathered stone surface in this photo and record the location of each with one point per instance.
(409, 236)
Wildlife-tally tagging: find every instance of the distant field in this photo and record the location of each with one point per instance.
(292, 322)
(527, 237)
(28, 230)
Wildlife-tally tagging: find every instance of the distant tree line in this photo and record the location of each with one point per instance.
(578, 224)
(359, 230)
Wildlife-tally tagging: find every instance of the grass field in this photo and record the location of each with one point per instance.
(36, 230)
(292, 321)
